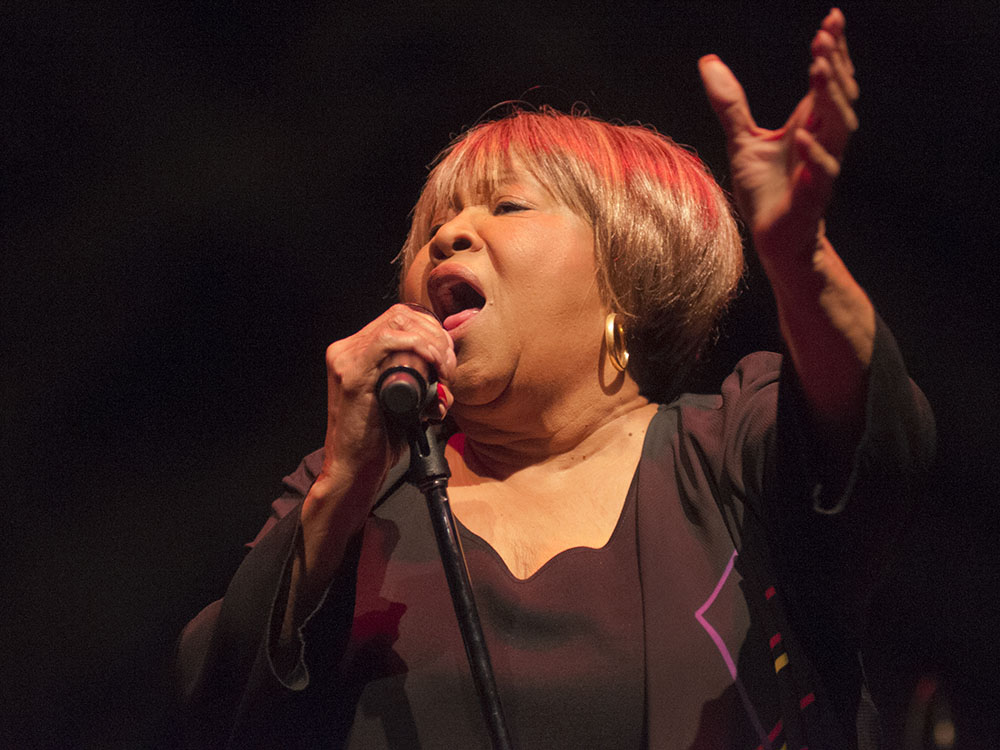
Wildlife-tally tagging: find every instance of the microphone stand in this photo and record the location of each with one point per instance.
(429, 472)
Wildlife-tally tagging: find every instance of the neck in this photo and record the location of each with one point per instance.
(504, 438)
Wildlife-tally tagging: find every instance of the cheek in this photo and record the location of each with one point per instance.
(572, 266)
(413, 281)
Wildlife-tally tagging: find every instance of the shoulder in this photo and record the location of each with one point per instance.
(731, 428)
(749, 394)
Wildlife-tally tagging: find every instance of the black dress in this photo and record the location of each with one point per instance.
(725, 611)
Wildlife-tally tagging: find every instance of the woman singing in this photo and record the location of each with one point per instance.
(652, 568)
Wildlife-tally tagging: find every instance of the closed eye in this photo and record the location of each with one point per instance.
(506, 207)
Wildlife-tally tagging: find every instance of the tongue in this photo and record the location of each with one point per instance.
(454, 321)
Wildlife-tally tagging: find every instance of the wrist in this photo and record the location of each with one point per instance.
(790, 247)
(340, 496)
(796, 273)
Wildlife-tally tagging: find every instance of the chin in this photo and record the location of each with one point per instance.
(476, 386)
(471, 392)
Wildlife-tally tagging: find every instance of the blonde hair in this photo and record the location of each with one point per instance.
(667, 248)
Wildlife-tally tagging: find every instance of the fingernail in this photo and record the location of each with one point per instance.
(442, 395)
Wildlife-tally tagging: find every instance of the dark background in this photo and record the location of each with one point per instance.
(197, 198)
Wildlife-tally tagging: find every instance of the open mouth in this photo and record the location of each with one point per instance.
(455, 296)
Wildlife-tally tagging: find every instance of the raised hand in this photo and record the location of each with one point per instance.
(783, 179)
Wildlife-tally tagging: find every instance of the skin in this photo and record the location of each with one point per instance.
(527, 381)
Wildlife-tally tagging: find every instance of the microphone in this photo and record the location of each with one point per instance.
(402, 387)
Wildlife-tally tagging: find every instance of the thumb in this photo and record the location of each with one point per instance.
(726, 96)
(814, 177)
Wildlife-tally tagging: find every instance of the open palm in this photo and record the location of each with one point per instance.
(783, 179)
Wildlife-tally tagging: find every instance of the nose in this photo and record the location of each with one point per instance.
(455, 235)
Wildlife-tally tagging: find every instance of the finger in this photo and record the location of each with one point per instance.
(833, 119)
(726, 96)
(826, 46)
(406, 316)
(445, 399)
(844, 71)
(354, 364)
(408, 313)
(834, 24)
(845, 55)
(392, 340)
(445, 396)
(814, 177)
(802, 115)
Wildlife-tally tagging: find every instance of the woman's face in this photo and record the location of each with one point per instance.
(512, 277)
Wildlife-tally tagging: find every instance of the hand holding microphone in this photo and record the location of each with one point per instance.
(407, 384)
(404, 353)
(411, 350)
(400, 354)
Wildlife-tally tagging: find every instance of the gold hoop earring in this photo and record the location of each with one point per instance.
(614, 340)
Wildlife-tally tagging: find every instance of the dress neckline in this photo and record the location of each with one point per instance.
(627, 513)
